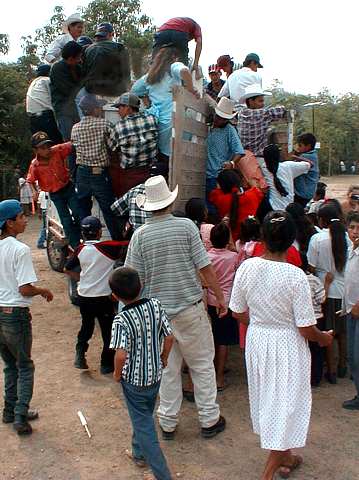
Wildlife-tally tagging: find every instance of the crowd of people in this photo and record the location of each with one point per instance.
(264, 260)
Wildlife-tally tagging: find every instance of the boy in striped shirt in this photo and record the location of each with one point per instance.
(142, 338)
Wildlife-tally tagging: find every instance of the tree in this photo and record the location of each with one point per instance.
(4, 43)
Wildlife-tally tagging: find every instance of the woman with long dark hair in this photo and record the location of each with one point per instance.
(164, 73)
(327, 257)
(233, 201)
(281, 318)
(305, 229)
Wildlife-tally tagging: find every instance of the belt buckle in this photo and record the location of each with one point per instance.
(96, 170)
(7, 309)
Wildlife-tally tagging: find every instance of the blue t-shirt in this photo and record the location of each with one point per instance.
(222, 145)
(306, 185)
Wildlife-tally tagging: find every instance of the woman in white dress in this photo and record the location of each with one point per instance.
(274, 298)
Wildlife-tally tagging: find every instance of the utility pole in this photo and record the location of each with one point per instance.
(330, 160)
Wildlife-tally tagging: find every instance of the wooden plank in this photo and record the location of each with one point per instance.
(193, 178)
(194, 149)
(178, 121)
(195, 127)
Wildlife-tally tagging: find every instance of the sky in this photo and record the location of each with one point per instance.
(307, 44)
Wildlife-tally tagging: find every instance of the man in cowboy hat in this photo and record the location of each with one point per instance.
(223, 143)
(235, 86)
(225, 63)
(73, 27)
(255, 119)
(168, 254)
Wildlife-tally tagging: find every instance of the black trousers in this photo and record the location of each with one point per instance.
(178, 39)
(45, 122)
(302, 201)
(103, 309)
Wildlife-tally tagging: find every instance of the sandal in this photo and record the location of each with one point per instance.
(285, 471)
(139, 462)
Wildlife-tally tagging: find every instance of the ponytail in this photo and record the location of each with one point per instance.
(329, 216)
(234, 212)
(271, 156)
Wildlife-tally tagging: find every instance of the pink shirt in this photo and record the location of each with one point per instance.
(205, 231)
(225, 264)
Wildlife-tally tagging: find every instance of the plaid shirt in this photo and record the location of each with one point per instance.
(89, 137)
(136, 138)
(253, 126)
(127, 205)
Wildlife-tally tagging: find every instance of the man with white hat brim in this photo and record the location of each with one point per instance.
(168, 254)
(73, 28)
(225, 109)
(254, 90)
(157, 195)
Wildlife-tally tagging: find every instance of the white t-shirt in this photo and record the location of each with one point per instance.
(238, 81)
(16, 269)
(38, 96)
(320, 257)
(286, 173)
(43, 199)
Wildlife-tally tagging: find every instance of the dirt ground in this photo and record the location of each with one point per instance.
(59, 448)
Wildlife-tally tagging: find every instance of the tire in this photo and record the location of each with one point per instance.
(56, 253)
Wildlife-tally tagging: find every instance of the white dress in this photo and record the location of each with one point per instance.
(278, 358)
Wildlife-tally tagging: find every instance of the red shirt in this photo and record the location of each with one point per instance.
(183, 24)
(293, 256)
(54, 174)
(248, 204)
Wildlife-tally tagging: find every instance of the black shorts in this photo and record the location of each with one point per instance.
(225, 330)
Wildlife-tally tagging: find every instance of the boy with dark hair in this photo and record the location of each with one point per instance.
(305, 185)
(16, 291)
(143, 339)
(95, 260)
(66, 76)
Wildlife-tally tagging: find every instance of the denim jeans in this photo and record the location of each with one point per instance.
(15, 350)
(78, 99)
(211, 184)
(353, 348)
(65, 124)
(178, 39)
(145, 445)
(42, 237)
(45, 122)
(99, 186)
(67, 205)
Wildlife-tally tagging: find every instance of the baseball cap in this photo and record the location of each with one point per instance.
(213, 68)
(223, 60)
(91, 225)
(129, 99)
(89, 102)
(39, 139)
(255, 58)
(84, 41)
(9, 209)
(104, 29)
(43, 70)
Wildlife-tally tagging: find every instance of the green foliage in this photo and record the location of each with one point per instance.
(4, 43)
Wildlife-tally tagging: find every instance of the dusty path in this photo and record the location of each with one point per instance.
(60, 450)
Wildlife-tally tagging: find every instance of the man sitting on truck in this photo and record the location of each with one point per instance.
(135, 138)
(49, 169)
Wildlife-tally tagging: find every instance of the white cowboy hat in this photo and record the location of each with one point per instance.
(157, 195)
(75, 17)
(224, 108)
(254, 90)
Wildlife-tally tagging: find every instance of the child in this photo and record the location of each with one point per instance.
(197, 211)
(351, 303)
(305, 185)
(16, 291)
(250, 234)
(42, 201)
(96, 260)
(318, 199)
(225, 329)
(50, 170)
(138, 333)
(25, 196)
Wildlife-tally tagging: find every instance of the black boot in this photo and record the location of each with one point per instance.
(22, 426)
(80, 358)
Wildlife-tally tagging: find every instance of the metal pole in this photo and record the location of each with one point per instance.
(313, 115)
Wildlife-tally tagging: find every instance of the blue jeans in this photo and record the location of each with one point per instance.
(15, 350)
(65, 124)
(42, 237)
(67, 205)
(353, 348)
(78, 98)
(178, 39)
(211, 184)
(89, 184)
(145, 445)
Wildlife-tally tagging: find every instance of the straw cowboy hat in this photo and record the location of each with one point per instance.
(254, 90)
(224, 108)
(157, 195)
(74, 18)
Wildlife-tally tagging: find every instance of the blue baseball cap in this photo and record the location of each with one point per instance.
(255, 58)
(104, 29)
(43, 70)
(9, 209)
(89, 102)
(91, 225)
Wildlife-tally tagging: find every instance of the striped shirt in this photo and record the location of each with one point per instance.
(139, 330)
(167, 252)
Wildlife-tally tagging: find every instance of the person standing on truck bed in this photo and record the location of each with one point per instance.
(89, 137)
(39, 105)
(135, 138)
(72, 28)
(49, 169)
(179, 31)
(106, 64)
